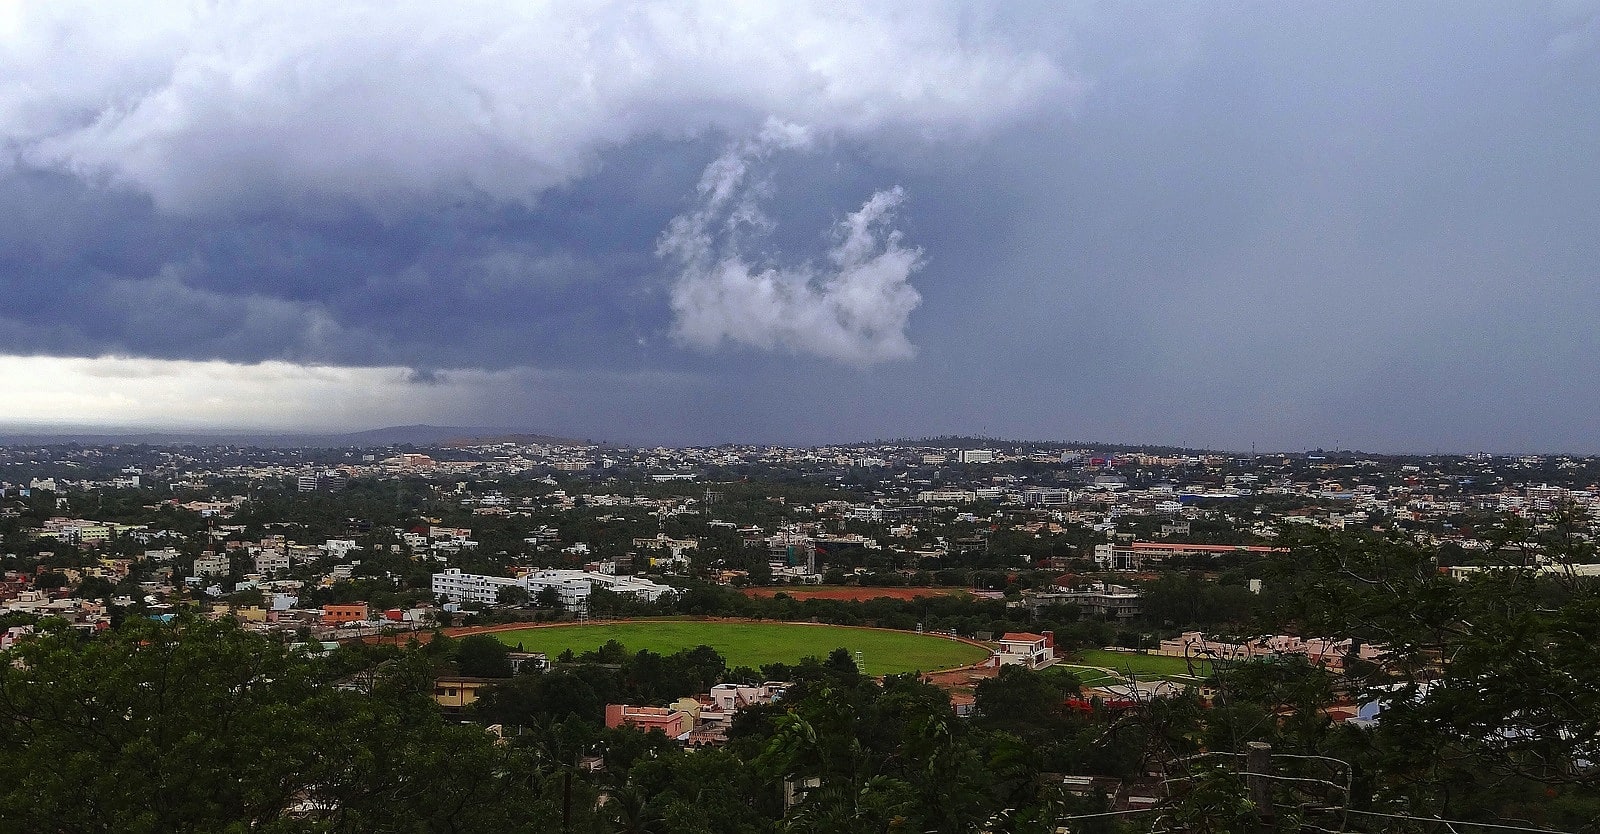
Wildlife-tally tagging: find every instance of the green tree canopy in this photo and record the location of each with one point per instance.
(201, 726)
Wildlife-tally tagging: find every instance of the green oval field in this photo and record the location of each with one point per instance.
(755, 644)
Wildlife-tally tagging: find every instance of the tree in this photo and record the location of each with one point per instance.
(1023, 701)
(202, 726)
(515, 596)
(1490, 697)
(482, 656)
(549, 597)
(95, 587)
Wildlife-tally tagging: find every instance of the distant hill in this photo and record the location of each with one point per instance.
(418, 435)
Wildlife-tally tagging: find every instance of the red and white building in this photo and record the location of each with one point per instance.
(1021, 648)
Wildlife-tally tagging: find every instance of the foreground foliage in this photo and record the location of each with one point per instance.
(200, 726)
(1490, 711)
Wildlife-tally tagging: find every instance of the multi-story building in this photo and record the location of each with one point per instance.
(339, 548)
(1095, 599)
(674, 723)
(456, 586)
(1135, 555)
(212, 564)
(272, 562)
(1047, 497)
(339, 614)
(1025, 649)
(76, 530)
(573, 586)
(947, 496)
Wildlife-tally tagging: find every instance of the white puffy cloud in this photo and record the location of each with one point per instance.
(214, 104)
(854, 308)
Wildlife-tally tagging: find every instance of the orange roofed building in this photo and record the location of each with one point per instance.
(674, 723)
(1024, 649)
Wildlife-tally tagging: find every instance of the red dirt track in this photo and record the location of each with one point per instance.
(853, 593)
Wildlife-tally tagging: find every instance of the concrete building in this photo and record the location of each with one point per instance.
(732, 697)
(1322, 651)
(456, 586)
(674, 723)
(1047, 497)
(1135, 555)
(1094, 599)
(339, 614)
(339, 548)
(573, 586)
(76, 530)
(272, 562)
(457, 691)
(1024, 649)
(211, 564)
(947, 496)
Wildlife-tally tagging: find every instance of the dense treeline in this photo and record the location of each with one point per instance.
(201, 726)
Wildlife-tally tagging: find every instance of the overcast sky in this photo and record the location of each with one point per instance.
(1287, 225)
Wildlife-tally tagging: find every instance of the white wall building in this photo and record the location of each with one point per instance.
(946, 496)
(272, 562)
(339, 548)
(573, 586)
(211, 564)
(1026, 649)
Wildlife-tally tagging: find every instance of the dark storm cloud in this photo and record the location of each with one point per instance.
(324, 185)
(1288, 225)
(1294, 226)
(88, 271)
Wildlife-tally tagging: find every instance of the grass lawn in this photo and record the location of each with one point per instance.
(1088, 676)
(1144, 665)
(753, 644)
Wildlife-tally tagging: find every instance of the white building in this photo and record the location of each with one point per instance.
(732, 697)
(211, 564)
(456, 586)
(1047, 496)
(946, 496)
(976, 455)
(339, 548)
(573, 586)
(272, 562)
(1024, 649)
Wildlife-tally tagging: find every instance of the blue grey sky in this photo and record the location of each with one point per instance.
(1287, 225)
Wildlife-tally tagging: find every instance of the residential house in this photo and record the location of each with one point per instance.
(335, 614)
(670, 721)
(1025, 649)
